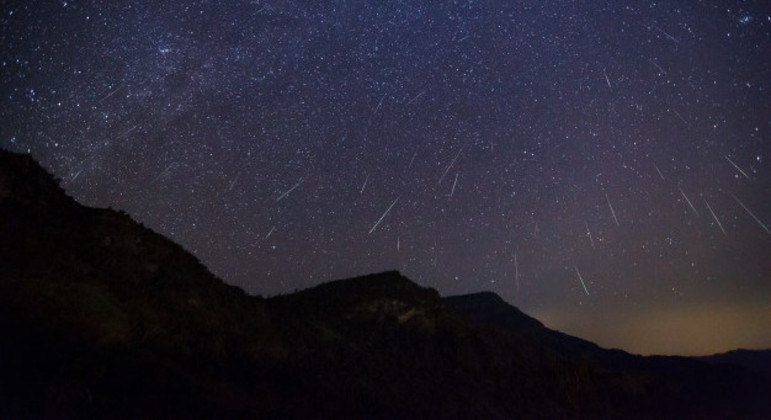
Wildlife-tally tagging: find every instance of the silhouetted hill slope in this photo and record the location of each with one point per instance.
(755, 360)
(487, 308)
(101, 317)
(92, 304)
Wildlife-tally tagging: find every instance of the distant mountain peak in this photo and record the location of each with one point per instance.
(388, 283)
(386, 294)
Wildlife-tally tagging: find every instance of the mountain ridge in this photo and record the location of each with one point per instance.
(106, 317)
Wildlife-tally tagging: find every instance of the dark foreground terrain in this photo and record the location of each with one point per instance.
(100, 316)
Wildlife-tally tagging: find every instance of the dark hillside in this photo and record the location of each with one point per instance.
(97, 306)
(101, 317)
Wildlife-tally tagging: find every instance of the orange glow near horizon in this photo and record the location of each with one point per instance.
(687, 330)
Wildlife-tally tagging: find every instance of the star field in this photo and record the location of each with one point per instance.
(603, 166)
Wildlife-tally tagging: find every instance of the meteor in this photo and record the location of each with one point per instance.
(751, 213)
(450, 165)
(714, 216)
(659, 171)
(270, 233)
(454, 184)
(383, 216)
(290, 190)
(615, 219)
(589, 233)
(689, 202)
(737, 167)
(582, 281)
(364, 185)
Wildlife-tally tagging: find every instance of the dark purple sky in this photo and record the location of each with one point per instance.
(526, 147)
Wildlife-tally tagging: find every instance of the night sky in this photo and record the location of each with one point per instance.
(602, 165)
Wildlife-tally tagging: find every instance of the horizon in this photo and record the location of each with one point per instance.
(611, 341)
(603, 167)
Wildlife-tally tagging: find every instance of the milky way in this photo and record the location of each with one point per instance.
(601, 165)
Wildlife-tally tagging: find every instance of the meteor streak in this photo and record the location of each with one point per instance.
(750, 213)
(680, 116)
(659, 171)
(588, 233)
(661, 70)
(383, 216)
(233, 183)
(111, 93)
(165, 171)
(454, 184)
(689, 201)
(607, 79)
(416, 97)
(582, 281)
(364, 185)
(714, 216)
(737, 167)
(670, 37)
(615, 219)
(76, 175)
(290, 190)
(379, 104)
(271, 232)
(450, 165)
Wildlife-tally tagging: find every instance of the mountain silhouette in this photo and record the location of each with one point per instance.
(101, 317)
